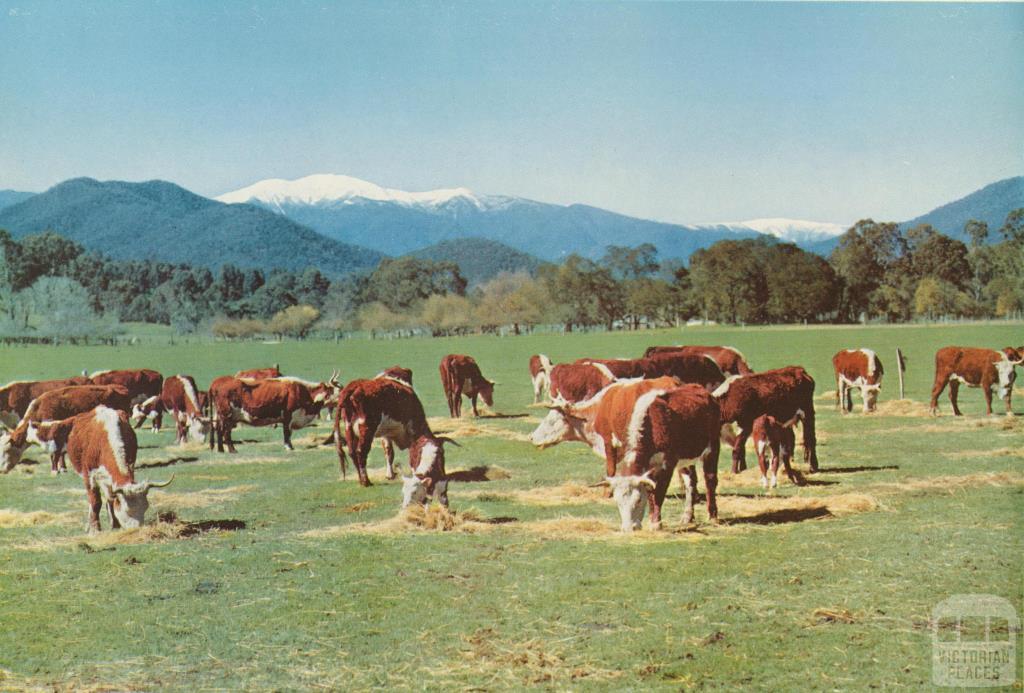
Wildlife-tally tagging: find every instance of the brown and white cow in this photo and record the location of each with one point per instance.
(402, 375)
(388, 408)
(103, 448)
(860, 368)
(769, 435)
(182, 398)
(785, 393)
(142, 383)
(57, 405)
(647, 426)
(16, 396)
(540, 376)
(260, 373)
(575, 382)
(259, 403)
(973, 367)
(460, 375)
(695, 368)
(729, 359)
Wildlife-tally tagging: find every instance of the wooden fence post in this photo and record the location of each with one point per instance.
(901, 364)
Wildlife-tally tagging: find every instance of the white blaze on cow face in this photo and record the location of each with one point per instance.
(1007, 376)
(198, 428)
(108, 418)
(130, 504)
(10, 454)
(558, 426)
(630, 494)
(428, 457)
(413, 491)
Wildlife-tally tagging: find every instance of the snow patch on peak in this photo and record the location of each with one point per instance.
(327, 188)
(794, 229)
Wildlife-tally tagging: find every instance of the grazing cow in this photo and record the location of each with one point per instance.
(57, 405)
(540, 376)
(181, 397)
(460, 375)
(687, 368)
(575, 382)
(769, 435)
(388, 408)
(402, 375)
(323, 393)
(142, 383)
(785, 393)
(729, 359)
(648, 426)
(259, 403)
(102, 447)
(975, 367)
(857, 368)
(260, 373)
(15, 397)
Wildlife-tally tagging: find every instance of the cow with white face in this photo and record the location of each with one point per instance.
(857, 368)
(973, 367)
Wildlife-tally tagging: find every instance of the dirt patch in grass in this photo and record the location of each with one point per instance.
(471, 428)
(16, 518)
(200, 499)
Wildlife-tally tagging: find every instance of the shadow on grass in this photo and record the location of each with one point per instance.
(778, 517)
(854, 470)
(167, 463)
(498, 415)
(191, 529)
(473, 474)
(501, 520)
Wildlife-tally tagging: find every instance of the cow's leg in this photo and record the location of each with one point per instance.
(114, 523)
(739, 461)
(865, 394)
(762, 447)
(360, 437)
(389, 456)
(473, 400)
(229, 426)
(773, 481)
(954, 392)
(688, 479)
(937, 387)
(709, 462)
(458, 403)
(810, 439)
(63, 460)
(656, 497)
(536, 389)
(839, 393)
(179, 430)
(787, 457)
(95, 502)
(286, 429)
(986, 390)
(158, 421)
(441, 492)
(54, 460)
(848, 403)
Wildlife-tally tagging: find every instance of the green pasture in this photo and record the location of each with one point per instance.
(269, 572)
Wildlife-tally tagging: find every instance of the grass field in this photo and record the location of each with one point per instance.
(268, 572)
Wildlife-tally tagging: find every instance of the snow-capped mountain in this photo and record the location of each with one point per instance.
(397, 222)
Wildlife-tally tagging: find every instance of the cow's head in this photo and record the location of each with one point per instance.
(426, 455)
(199, 428)
(1015, 354)
(486, 391)
(560, 425)
(10, 453)
(1007, 374)
(414, 490)
(871, 395)
(630, 494)
(144, 410)
(130, 502)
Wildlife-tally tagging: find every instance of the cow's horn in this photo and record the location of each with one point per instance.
(446, 439)
(602, 482)
(158, 484)
(645, 478)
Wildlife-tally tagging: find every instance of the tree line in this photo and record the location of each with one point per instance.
(52, 289)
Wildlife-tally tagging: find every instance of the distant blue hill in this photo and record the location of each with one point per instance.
(991, 204)
(480, 259)
(162, 221)
(12, 197)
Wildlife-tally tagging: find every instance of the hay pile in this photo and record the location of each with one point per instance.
(903, 407)
(471, 428)
(415, 518)
(199, 499)
(167, 527)
(950, 484)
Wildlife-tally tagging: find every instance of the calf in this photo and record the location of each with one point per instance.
(984, 368)
(460, 375)
(57, 405)
(647, 425)
(785, 393)
(387, 408)
(16, 396)
(540, 376)
(259, 403)
(142, 383)
(102, 447)
(181, 397)
(260, 373)
(859, 368)
(729, 359)
(770, 435)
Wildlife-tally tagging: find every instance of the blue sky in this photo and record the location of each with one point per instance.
(679, 112)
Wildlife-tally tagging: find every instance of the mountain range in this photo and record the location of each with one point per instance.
(343, 224)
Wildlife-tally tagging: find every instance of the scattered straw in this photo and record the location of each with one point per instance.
(999, 452)
(16, 518)
(167, 528)
(950, 484)
(903, 407)
(479, 473)
(200, 499)
(834, 616)
(432, 518)
(471, 428)
(568, 493)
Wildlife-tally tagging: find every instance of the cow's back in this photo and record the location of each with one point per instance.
(695, 368)
(779, 390)
(381, 397)
(615, 410)
(575, 382)
(66, 402)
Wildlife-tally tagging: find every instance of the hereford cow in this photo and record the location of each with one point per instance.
(769, 435)
(729, 359)
(785, 393)
(685, 367)
(259, 403)
(182, 398)
(984, 368)
(16, 396)
(102, 447)
(648, 426)
(387, 408)
(402, 375)
(540, 376)
(859, 368)
(460, 375)
(57, 405)
(142, 383)
(575, 382)
(260, 373)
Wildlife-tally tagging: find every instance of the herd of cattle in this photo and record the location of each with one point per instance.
(641, 415)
